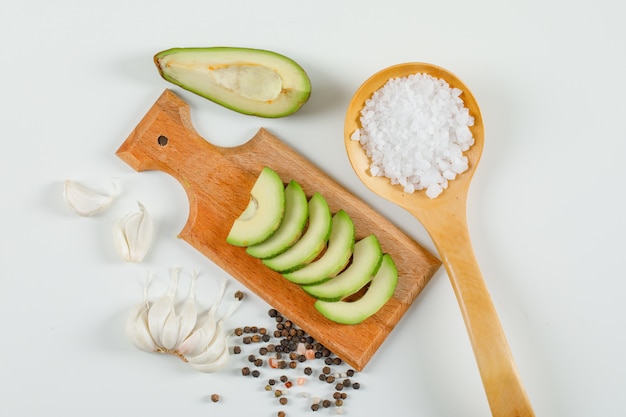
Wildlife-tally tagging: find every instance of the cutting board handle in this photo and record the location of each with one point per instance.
(166, 125)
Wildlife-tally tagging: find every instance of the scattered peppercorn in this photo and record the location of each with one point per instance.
(339, 386)
(238, 295)
(245, 371)
(308, 370)
(326, 370)
(350, 372)
(278, 393)
(326, 403)
(237, 350)
(339, 402)
(215, 398)
(258, 362)
(330, 379)
(246, 340)
(283, 400)
(281, 414)
(356, 385)
(337, 361)
(315, 407)
(238, 331)
(256, 373)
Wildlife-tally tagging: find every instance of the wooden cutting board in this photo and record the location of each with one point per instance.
(218, 180)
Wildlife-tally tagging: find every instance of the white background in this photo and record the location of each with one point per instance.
(546, 210)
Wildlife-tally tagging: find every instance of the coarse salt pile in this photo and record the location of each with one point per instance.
(415, 130)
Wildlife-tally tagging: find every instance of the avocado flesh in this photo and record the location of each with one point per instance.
(264, 212)
(380, 291)
(366, 260)
(310, 244)
(249, 81)
(291, 227)
(336, 256)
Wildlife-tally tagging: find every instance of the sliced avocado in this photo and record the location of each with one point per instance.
(312, 242)
(365, 263)
(291, 227)
(379, 292)
(264, 212)
(336, 256)
(249, 81)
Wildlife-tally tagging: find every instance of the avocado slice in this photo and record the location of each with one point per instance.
(291, 227)
(264, 212)
(249, 81)
(312, 242)
(336, 256)
(365, 263)
(378, 293)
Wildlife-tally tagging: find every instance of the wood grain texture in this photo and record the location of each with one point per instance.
(218, 181)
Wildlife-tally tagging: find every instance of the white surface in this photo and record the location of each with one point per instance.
(546, 210)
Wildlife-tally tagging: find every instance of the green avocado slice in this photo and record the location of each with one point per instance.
(312, 241)
(291, 227)
(365, 262)
(246, 80)
(336, 256)
(380, 291)
(264, 212)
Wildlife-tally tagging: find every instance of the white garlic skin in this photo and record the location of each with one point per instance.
(133, 235)
(86, 202)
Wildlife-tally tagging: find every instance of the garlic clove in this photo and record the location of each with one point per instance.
(214, 365)
(85, 201)
(178, 326)
(213, 350)
(133, 235)
(162, 309)
(200, 338)
(137, 328)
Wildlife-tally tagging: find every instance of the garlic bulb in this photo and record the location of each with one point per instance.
(133, 235)
(85, 201)
(163, 326)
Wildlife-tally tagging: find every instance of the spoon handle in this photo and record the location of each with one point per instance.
(505, 393)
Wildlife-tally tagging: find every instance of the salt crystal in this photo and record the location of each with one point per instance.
(415, 130)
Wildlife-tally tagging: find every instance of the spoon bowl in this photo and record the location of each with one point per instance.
(444, 218)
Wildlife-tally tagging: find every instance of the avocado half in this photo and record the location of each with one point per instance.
(250, 81)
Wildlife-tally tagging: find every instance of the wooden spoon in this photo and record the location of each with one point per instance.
(445, 220)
